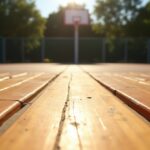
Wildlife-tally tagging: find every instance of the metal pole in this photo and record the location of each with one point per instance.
(126, 50)
(104, 50)
(148, 52)
(43, 50)
(76, 44)
(4, 50)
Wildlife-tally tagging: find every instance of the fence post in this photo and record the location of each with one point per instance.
(148, 51)
(4, 50)
(43, 50)
(125, 50)
(23, 50)
(103, 49)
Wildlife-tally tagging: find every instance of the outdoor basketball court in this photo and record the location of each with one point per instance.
(54, 106)
(75, 106)
(75, 75)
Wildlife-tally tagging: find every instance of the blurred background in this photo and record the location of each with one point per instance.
(34, 31)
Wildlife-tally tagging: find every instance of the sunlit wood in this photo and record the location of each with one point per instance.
(76, 112)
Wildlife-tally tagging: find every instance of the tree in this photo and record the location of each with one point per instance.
(112, 15)
(140, 26)
(55, 26)
(20, 18)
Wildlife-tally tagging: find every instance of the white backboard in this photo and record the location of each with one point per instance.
(73, 16)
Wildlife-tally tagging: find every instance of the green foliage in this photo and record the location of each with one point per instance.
(112, 15)
(140, 26)
(20, 18)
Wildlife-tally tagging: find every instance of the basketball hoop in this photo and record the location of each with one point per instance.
(76, 17)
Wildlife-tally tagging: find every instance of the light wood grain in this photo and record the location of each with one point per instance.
(12, 82)
(131, 92)
(8, 75)
(37, 129)
(18, 87)
(100, 120)
(4, 76)
(7, 109)
(73, 113)
(24, 90)
(130, 87)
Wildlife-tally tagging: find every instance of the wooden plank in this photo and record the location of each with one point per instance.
(6, 84)
(32, 67)
(16, 75)
(21, 90)
(4, 76)
(26, 90)
(119, 81)
(98, 120)
(8, 75)
(79, 114)
(141, 77)
(37, 128)
(134, 87)
(127, 90)
(8, 108)
(117, 67)
(143, 82)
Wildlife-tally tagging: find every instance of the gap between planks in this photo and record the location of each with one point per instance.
(141, 109)
(63, 119)
(26, 99)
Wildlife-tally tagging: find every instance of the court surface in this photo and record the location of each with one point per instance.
(60, 106)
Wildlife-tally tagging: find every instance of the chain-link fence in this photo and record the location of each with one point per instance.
(62, 50)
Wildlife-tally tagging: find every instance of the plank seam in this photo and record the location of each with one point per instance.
(23, 103)
(143, 111)
(63, 117)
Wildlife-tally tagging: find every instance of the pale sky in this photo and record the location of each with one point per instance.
(48, 6)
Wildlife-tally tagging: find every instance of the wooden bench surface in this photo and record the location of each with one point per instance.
(132, 92)
(128, 86)
(4, 76)
(7, 109)
(7, 75)
(22, 93)
(131, 83)
(23, 89)
(12, 82)
(19, 88)
(45, 118)
(75, 112)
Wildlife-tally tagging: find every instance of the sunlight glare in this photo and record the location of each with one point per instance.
(65, 2)
(77, 1)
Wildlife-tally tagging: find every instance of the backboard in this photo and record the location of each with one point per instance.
(76, 16)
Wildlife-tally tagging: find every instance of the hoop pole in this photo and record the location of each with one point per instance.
(76, 43)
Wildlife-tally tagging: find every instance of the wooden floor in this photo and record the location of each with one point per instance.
(74, 107)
